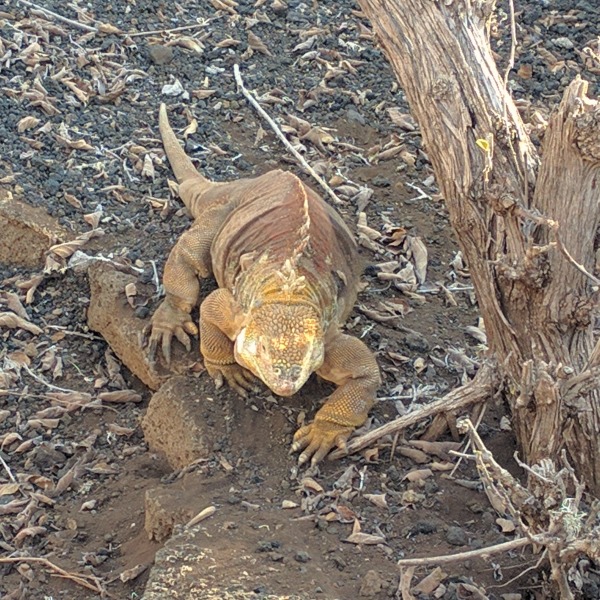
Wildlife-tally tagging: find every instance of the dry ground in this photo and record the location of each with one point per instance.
(79, 140)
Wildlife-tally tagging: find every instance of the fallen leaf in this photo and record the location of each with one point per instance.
(257, 44)
(12, 321)
(120, 396)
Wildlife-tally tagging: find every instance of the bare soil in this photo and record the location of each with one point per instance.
(79, 136)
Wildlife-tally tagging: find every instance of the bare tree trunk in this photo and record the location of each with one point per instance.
(526, 228)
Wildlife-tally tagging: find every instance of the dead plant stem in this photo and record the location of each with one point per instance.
(261, 111)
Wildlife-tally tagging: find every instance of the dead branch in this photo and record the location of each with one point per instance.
(460, 556)
(79, 579)
(56, 17)
(261, 111)
(477, 390)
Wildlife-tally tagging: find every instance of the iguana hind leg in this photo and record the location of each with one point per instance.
(352, 366)
(221, 319)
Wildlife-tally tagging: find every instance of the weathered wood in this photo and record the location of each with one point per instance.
(506, 209)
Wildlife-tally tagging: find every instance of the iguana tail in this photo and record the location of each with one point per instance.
(180, 163)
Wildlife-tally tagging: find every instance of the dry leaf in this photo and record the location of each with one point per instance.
(418, 254)
(429, 584)
(203, 94)
(43, 423)
(202, 515)
(28, 532)
(416, 455)
(13, 507)
(439, 449)
(130, 574)
(120, 396)
(403, 120)
(13, 302)
(73, 144)
(227, 43)
(418, 475)
(119, 430)
(377, 499)
(107, 28)
(308, 483)
(191, 128)
(257, 44)
(93, 219)
(72, 200)
(506, 525)
(148, 167)
(27, 123)
(367, 539)
(226, 5)
(11, 321)
(8, 489)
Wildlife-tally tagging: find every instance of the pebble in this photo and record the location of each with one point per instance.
(564, 43)
(354, 116)
(301, 556)
(160, 55)
(380, 181)
(416, 342)
(456, 536)
(372, 583)
(142, 312)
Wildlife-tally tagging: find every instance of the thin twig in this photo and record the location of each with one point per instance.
(44, 382)
(522, 573)
(77, 578)
(163, 31)
(56, 17)
(261, 111)
(451, 558)
(7, 469)
(468, 444)
(570, 258)
(513, 46)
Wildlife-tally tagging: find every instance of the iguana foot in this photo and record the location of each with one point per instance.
(169, 321)
(318, 438)
(238, 378)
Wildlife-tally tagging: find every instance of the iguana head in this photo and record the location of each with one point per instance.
(282, 344)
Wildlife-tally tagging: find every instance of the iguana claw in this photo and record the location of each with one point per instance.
(318, 438)
(238, 378)
(167, 322)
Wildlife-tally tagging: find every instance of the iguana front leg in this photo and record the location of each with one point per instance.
(352, 366)
(221, 319)
(188, 260)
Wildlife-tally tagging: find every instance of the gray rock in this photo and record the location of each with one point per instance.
(456, 536)
(564, 43)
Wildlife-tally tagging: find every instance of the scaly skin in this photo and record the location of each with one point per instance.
(288, 271)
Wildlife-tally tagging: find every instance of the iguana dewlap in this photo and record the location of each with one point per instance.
(287, 269)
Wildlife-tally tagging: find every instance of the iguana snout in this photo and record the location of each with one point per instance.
(282, 345)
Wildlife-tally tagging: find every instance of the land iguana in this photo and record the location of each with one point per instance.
(288, 270)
